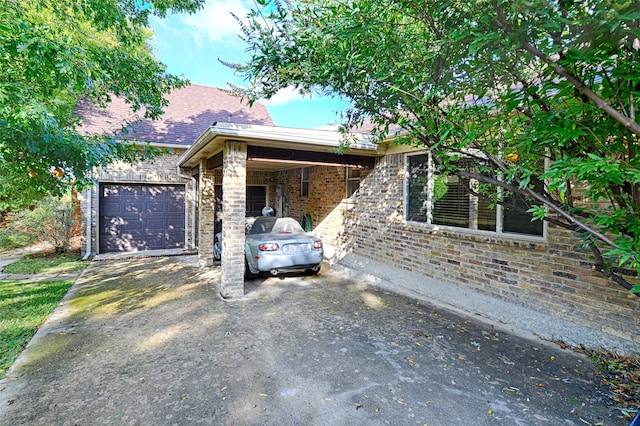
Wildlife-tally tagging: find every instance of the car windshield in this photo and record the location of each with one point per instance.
(276, 225)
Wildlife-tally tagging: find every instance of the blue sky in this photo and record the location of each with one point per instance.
(190, 45)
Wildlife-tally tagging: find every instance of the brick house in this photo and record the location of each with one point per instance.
(150, 205)
(364, 204)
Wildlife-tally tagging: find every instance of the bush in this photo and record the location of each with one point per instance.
(12, 238)
(52, 220)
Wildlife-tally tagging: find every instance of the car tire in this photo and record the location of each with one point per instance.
(248, 275)
(217, 247)
(313, 271)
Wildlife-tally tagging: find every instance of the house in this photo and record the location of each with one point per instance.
(362, 203)
(149, 205)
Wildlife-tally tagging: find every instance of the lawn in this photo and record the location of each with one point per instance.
(24, 306)
(47, 263)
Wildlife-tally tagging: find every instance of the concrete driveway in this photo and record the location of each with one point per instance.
(149, 342)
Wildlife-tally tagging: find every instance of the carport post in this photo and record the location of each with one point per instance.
(234, 188)
(206, 230)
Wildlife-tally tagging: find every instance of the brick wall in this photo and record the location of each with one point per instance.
(550, 276)
(326, 200)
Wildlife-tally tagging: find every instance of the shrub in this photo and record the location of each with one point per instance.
(13, 238)
(52, 220)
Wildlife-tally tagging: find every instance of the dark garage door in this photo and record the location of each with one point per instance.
(135, 217)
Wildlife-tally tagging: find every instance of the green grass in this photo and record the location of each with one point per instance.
(41, 263)
(11, 239)
(24, 306)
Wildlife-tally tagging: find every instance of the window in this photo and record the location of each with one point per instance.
(305, 182)
(353, 181)
(518, 222)
(439, 199)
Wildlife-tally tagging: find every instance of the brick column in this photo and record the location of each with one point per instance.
(206, 215)
(234, 199)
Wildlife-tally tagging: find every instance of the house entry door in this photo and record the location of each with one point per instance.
(256, 200)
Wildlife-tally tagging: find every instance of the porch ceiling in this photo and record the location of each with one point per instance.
(279, 148)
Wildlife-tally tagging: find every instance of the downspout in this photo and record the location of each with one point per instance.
(193, 209)
(88, 230)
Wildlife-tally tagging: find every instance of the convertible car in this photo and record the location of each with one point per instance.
(277, 244)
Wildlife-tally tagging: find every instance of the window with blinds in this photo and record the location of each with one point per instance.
(353, 181)
(304, 186)
(448, 200)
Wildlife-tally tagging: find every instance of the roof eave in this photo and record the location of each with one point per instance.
(316, 139)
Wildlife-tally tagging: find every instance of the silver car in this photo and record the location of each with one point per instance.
(279, 244)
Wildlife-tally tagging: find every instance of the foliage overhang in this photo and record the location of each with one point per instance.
(546, 91)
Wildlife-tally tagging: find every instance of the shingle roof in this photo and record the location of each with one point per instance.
(191, 111)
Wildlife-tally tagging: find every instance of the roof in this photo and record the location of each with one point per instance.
(191, 111)
(320, 141)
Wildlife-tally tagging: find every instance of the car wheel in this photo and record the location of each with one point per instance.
(217, 247)
(248, 275)
(313, 271)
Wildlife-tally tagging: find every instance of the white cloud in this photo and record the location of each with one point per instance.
(284, 97)
(215, 23)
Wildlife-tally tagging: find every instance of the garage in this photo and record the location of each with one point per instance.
(137, 217)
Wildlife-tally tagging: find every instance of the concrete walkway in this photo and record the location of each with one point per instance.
(149, 342)
(510, 316)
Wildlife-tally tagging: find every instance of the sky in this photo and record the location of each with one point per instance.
(191, 46)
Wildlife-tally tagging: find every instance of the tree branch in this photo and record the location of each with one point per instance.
(630, 124)
(549, 203)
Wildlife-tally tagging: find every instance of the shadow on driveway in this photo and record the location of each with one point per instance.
(149, 341)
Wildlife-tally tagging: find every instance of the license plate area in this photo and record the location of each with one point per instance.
(295, 248)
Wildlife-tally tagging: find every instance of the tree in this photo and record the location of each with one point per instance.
(54, 53)
(535, 91)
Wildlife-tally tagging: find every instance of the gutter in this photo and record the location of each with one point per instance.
(193, 209)
(89, 224)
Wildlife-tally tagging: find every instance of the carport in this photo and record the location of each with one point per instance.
(235, 149)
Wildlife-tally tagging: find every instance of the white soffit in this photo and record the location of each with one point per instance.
(210, 142)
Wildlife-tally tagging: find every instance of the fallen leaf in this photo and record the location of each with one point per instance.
(263, 395)
(461, 358)
(540, 385)
(490, 411)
